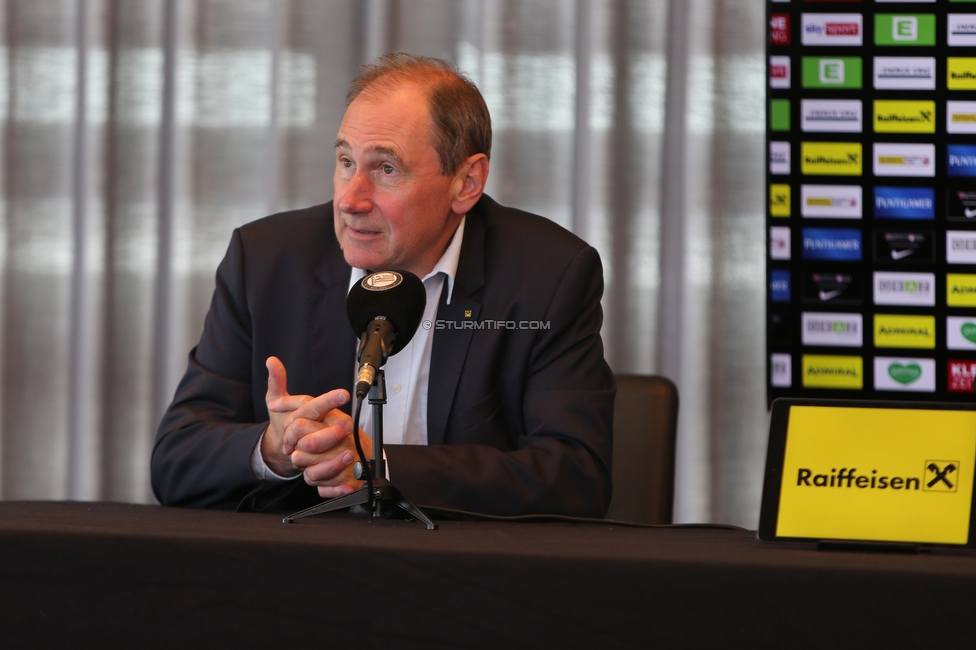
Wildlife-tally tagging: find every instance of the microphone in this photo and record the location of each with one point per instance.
(386, 308)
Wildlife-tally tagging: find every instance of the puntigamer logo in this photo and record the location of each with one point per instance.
(904, 203)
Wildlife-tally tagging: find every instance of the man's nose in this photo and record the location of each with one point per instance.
(357, 195)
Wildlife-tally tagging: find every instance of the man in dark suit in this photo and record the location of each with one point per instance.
(507, 402)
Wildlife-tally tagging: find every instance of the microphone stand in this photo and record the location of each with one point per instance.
(385, 498)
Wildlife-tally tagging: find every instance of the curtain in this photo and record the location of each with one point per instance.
(136, 134)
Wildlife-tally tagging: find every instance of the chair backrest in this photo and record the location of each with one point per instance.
(645, 422)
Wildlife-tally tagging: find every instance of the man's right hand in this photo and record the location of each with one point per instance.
(273, 449)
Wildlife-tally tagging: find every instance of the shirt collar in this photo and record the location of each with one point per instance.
(447, 264)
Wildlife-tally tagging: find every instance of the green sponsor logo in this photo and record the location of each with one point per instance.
(904, 29)
(968, 330)
(831, 72)
(905, 374)
(779, 114)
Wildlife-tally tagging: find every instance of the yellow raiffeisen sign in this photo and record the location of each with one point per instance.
(896, 475)
(779, 200)
(828, 371)
(960, 73)
(831, 158)
(891, 116)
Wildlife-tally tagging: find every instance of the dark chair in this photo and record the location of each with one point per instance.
(645, 422)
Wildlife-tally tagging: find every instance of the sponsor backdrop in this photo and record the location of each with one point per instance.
(871, 130)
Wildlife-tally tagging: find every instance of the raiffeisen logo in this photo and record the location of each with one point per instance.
(838, 244)
(831, 29)
(901, 374)
(961, 160)
(831, 158)
(779, 200)
(825, 371)
(848, 478)
(960, 290)
(961, 73)
(904, 116)
(904, 73)
(901, 331)
(904, 202)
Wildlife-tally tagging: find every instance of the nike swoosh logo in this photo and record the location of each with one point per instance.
(969, 213)
(897, 255)
(829, 295)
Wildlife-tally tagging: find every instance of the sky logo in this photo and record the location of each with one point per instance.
(836, 244)
(962, 160)
(904, 202)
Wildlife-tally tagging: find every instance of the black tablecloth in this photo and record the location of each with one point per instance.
(148, 576)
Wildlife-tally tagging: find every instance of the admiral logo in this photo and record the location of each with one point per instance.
(831, 29)
(961, 333)
(962, 30)
(822, 371)
(780, 370)
(831, 116)
(960, 205)
(779, 72)
(909, 289)
(779, 200)
(832, 288)
(915, 375)
(961, 246)
(838, 330)
(831, 158)
(962, 160)
(961, 375)
(960, 290)
(904, 73)
(832, 72)
(904, 116)
(831, 201)
(779, 29)
(779, 243)
(961, 73)
(900, 29)
(779, 157)
(904, 202)
(900, 331)
(897, 159)
(837, 244)
(779, 285)
(904, 246)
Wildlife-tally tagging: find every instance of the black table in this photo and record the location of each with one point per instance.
(147, 576)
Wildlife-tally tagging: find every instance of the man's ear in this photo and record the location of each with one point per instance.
(470, 183)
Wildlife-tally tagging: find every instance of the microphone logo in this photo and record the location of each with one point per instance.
(382, 280)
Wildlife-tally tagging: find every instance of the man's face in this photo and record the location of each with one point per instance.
(393, 207)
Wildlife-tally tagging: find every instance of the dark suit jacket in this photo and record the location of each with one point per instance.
(519, 420)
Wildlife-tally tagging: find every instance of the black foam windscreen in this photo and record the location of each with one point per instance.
(397, 296)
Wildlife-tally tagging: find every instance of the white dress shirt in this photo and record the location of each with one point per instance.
(407, 372)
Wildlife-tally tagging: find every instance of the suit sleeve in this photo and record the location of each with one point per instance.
(203, 447)
(558, 416)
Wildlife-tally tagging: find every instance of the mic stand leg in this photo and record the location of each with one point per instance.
(386, 498)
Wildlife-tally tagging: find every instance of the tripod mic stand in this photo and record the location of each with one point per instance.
(384, 498)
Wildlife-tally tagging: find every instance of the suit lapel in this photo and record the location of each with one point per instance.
(450, 348)
(333, 344)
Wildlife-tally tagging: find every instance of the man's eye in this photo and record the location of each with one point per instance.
(345, 162)
(388, 169)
